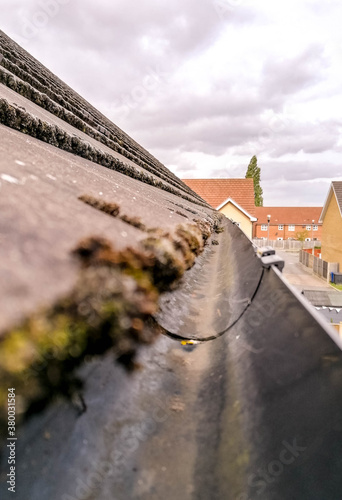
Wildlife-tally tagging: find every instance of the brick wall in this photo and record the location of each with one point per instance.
(284, 233)
(332, 233)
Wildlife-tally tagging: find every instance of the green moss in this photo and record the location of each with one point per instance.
(18, 119)
(134, 221)
(192, 236)
(105, 310)
(109, 307)
(205, 227)
(109, 208)
(168, 264)
(219, 229)
(181, 213)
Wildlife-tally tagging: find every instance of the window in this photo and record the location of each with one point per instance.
(307, 239)
(263, 227)
(292, 228)
(281, 227)
(308, 228)
(315, 228)
(280, 239)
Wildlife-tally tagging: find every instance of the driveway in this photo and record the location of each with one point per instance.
(298, 275)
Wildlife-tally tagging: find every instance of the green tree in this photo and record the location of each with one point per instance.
(253, 171)
(302, 235)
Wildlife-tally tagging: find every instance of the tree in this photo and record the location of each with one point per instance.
(302, 235)
(253, 171)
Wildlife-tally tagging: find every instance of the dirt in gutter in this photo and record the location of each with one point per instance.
(109, 308)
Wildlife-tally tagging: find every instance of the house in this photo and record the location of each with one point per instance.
(283, 223)
(329, 305)
(232, 197)
(331, 218)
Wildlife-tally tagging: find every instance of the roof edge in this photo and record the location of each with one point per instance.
(230, 200)
(327, 202)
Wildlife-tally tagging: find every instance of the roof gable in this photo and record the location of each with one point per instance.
(230, 200)
(335, 189)
(217, 191)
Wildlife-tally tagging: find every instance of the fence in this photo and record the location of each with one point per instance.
(306, 259)
(320, 267)
(286, 244)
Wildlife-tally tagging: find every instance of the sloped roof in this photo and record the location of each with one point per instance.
(288, 215)
(83, 130)
(217, 191)
(332, 314)
(335, 188)
(338, 192)
(325, 298)
(230, 200)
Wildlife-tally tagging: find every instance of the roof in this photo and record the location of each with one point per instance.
(87, 269)
(288, 215)
(218, 191)
(324, 298)
(230, 200)
(338, 193)
(331, 314)
(39, 107)
(336, 189)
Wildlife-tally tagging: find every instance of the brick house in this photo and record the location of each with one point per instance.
(232, 197)
(331, 218)
(286, 222)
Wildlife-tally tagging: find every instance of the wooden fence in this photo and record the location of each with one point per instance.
(286, 244)
(320, 267)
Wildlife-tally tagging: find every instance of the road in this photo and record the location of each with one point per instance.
(298, 275)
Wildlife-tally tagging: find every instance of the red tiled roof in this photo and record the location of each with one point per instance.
(288, 215)
(216, 191)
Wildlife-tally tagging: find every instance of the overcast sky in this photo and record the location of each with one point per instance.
(206, 84)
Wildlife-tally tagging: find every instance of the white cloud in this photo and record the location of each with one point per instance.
(205, 85)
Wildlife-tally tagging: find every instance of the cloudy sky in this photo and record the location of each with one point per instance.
(206, 84)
